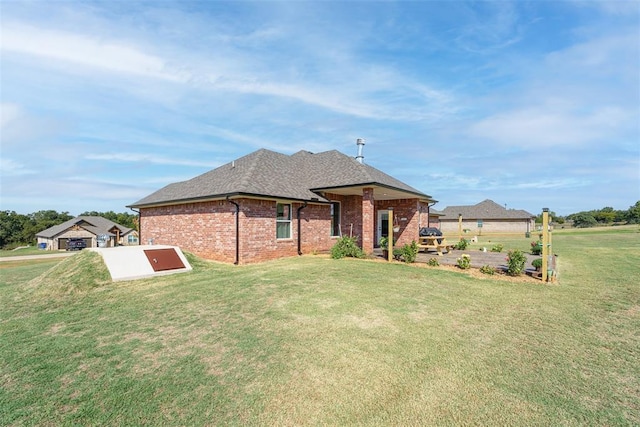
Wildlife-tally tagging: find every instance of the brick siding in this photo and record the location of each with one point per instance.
(208, 229)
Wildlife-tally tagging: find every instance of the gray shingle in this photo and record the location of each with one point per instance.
(487, 209)
(95, 224)
(271, 174)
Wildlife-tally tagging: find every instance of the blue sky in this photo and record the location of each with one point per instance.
(530, 104)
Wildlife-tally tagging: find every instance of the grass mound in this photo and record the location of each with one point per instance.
(77, 274)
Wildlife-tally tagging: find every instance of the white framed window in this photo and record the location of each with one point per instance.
(283, 221)
(335, 219)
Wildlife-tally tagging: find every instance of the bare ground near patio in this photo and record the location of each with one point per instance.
(498, 260)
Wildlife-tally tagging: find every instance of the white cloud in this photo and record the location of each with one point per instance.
(8, 113)
(540, 127)
(107, 55)
(11, 167)
(147, 158)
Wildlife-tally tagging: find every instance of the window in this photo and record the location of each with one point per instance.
(283, 221)
(335, 219)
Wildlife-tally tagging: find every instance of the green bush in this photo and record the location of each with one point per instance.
(497, 248)
(537, 263)
(462, 244)
(346, 247)
(487, 269)
(515, 262)
(433, 262)
(536, 248)
(464, 262)
(410, 252)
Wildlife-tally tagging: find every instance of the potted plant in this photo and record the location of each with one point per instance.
(384, 245)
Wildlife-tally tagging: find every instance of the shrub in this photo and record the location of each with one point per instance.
(462, 244)
(487, 269)
(410, 252)
(346, 247)
(433, 262)
(536, 248)
(515, 262)
(464, 262)
(537, 263)
(497, 248)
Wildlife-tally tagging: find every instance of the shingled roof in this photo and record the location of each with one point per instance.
(487, 209)
(94, 224)
(265, 173)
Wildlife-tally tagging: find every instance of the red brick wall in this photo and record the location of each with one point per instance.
(208, 229)
(408, 218)
(350, 215)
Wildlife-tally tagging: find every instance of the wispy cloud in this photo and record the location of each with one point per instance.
(132, 157)
(83, 50)
(457, 99)
(11, 167)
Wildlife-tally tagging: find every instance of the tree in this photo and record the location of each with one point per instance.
(11, 226)
(124, 218)
(633, 214)
(583, 220)
(605, 215)
(552, 217)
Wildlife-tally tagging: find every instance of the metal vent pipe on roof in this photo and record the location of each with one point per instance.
(360, 143)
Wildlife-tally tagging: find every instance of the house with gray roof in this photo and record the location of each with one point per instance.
(484, 218)
(88, 228)
(268, 205)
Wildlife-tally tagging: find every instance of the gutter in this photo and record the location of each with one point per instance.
(139, 225)
(299, 229)
(237, 230)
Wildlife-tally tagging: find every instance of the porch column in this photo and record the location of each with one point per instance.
(368, 220)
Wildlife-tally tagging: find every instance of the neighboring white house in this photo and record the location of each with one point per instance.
(88, 228)
(486, 217)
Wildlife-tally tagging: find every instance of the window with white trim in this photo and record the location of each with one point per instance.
(335, 219)
(283, 221)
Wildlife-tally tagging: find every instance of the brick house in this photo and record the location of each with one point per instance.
(268, 205)
(88, 228)
(486, 217)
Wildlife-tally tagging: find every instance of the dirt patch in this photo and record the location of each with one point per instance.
(497, 260)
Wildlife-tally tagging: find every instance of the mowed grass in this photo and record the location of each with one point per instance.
(315, 341)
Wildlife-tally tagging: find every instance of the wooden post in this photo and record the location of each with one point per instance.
(390, 235)
(459, 226)
(545, 243)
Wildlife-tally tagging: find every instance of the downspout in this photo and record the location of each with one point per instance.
(299, 229)
(237, 230)
(139, 225)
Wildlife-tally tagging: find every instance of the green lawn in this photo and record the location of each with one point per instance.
(315, 341)
(31, 250)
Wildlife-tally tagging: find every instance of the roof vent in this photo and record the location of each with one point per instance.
(360, 143)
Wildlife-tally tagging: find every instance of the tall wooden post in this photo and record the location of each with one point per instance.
(545, 243)
(390, 235)
(460, 226)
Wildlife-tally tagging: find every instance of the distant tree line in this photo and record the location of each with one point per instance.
(17, 229)
(593, 218)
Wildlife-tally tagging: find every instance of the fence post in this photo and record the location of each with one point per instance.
(545, 243)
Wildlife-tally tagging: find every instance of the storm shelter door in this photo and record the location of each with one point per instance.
(382, 225)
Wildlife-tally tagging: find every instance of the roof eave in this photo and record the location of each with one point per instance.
(235, 195)
(419, 195)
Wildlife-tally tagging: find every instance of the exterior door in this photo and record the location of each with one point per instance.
(382, 226)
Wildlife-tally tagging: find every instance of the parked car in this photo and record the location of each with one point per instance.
(76, 244)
